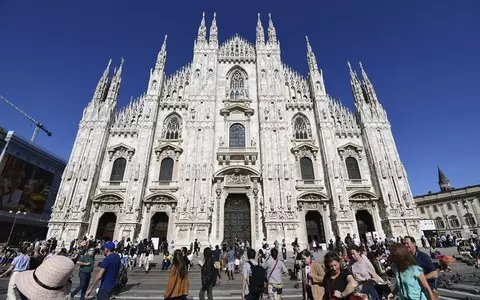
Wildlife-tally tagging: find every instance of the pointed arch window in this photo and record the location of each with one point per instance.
(118, 169)
(172, 127)
(306, 170)
(237, 136)
(454, 221)
(439, 223)
(469, 219)
(166, 169)
(352, 168)
(237, 86)
(301, 128)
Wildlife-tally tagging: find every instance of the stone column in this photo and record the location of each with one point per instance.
(474, 211)
(147, 218)
(94, 223)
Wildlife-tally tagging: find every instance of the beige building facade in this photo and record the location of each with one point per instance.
(234, 144)
(455, 211)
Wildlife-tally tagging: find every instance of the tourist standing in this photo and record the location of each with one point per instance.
(208, 275)
(274, 268)
(50, 281)
(177, 286)
(425, 262)
(248, 275)
(107, 274)
(364, 272)
(217, 258)
(315, 275)
(411, 281)
(86, 263)
(338, 282)
(19, 264)
(230, 263)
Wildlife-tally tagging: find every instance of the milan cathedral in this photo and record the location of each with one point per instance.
(235, 144)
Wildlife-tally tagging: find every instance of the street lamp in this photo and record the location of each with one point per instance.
(17, 213)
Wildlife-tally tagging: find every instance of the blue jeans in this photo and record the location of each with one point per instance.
(104, 294)
(83, 286)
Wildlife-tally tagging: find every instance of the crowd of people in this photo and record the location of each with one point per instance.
(350, 269)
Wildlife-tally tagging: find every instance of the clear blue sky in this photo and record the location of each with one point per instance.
(422, 56)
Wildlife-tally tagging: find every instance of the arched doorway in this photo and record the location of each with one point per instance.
(314, 224)
(106, 226)
(237, 218)
(159, 226)
(365, 224)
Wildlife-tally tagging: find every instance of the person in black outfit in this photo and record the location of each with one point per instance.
(338, 282)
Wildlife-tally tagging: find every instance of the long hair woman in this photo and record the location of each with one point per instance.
(411, 281)
(338, 282)
(208, 275)
(177, 287)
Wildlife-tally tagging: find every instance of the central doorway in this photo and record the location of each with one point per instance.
(106, 226)
(365, 224)
(314, 224)
(237, 222)
(159, 226)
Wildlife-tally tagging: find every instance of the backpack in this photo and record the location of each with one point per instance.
(122, 277)
(256, 281)
(209, 275)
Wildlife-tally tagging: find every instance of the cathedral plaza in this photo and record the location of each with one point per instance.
(234, 145)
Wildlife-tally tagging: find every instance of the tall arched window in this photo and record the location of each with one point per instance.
(439, 223)
(237, 136)
(118, 169)
(454, 221)
(301, 128)
(352, 168)
(469, 219)
(237, 85)
(306, 169)
(172, 127)
(166, 170)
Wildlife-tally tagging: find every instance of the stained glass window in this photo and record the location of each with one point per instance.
(166, 169)
(237, 86)
(118, 169)
(172, 127)
(301, 128)
(352, 168)
(237, 136)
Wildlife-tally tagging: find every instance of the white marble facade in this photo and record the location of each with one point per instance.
(235, 128)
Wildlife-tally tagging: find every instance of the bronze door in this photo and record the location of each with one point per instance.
(106, 226)
(159, 226)
(237, 218)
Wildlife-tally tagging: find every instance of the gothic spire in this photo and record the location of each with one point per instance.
(272, 34)
(213, 38)
(260, 32)
(367, 86)
(443, 182)
(202, 31)
(162, 55)
(312, 61)
(102, 84)
(355, 84)
(115, 84)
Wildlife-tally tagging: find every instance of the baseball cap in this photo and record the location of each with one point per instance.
(109, 245)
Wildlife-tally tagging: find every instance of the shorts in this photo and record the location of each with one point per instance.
(275, 287)
(217, 265)
(231, 265)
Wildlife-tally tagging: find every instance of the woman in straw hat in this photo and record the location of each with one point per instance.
(51, 280)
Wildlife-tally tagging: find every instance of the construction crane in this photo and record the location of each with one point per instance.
(38, 125)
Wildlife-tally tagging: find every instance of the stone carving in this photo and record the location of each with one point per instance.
(136, 173)
(85, 172)
(253, 143)
(398, 169)
(382, 169)
(237, 179)
(335, 169)
(221, 143)
(71, 167)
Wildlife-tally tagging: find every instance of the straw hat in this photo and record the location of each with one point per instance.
(49, 281)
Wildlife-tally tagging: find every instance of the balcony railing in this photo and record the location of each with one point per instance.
(164, 185)
(357, 183)
(247, 154)
(308, 184)
(113, 185)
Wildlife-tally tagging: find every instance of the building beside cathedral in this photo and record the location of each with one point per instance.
(234, 144)
(454, 211)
